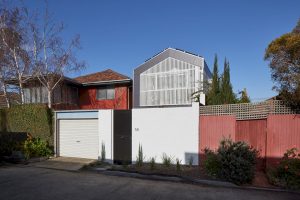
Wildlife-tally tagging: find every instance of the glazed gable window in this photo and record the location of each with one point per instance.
(105, 93)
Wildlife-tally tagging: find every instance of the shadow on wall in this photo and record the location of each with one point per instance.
(191, 158)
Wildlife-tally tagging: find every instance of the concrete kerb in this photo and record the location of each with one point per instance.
(182, 179)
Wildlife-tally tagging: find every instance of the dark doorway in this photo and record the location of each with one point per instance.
(122, 136)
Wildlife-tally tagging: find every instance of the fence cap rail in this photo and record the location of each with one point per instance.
(244, 111)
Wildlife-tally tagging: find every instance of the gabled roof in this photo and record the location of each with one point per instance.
(174, 49)
(103, 77)
(170, 52)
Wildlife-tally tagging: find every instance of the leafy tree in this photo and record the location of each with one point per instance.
(227, 95)
(244, 97)
(213, 96)
(283, 55)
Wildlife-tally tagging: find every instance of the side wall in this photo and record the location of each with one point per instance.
(172, 130)
(106, 133)
(88, 98)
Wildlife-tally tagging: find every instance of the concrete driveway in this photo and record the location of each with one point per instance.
(63, 163)
(39, 183)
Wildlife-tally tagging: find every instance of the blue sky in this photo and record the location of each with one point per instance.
(122, 34)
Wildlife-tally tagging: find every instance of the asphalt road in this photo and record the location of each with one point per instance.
(37, 183)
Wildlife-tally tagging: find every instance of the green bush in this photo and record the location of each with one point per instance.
(10, 142)
(233, 161)
(140, 157)
(103, 152)
(36, 147)
(166, 160)
(287, 174)
(34, 119)
(212, 163)
(178, 165)
(152, 163)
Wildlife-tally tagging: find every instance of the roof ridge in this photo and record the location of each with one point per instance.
(102, 72)
(174, 49)
(104, 75)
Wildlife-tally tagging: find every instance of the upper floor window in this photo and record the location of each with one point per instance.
(105, 93)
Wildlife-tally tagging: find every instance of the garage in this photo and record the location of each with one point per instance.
(79, 138)
(94, 133)
(78, 134)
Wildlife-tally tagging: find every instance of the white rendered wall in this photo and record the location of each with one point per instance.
(202, 99)
(172, 130)
(106, 133)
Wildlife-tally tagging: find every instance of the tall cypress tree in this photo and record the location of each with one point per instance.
(227, 95)
(213, 96)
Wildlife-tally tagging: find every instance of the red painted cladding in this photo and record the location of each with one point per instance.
(213, 129)
(283, 134)
(254, 133)
(88, 98)
(272, 136)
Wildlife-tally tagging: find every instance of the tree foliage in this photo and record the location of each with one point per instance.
(213, 96)
(283, 55)
(220, 90)
(244, 97)
(227, 94)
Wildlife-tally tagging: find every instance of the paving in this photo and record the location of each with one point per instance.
(63, 163)
(29, 182)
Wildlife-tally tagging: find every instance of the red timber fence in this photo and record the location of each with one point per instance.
(271, 134)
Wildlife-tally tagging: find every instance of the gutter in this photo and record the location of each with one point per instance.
(106, 82)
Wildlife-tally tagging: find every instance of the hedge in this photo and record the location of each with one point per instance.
(35, 119)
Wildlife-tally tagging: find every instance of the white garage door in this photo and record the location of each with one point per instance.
(79, 138)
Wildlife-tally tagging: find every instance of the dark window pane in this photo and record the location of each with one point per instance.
(101, 94)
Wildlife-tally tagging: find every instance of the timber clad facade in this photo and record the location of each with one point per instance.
(120, 99)
(103, 90)
(65, 95)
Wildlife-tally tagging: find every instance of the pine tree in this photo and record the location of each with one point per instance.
(227, 95)
(213, 96)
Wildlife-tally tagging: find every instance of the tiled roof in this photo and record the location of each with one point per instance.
(104, 76)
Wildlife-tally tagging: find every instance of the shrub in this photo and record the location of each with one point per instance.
(287, 174)
(36, 147)
(152, 163)
(103, 152)
(233, 161)
(166, 160)
(35, 119)
(10, 142)
(178, 164)
(191, 161)
(140, 157)
(212, 163)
